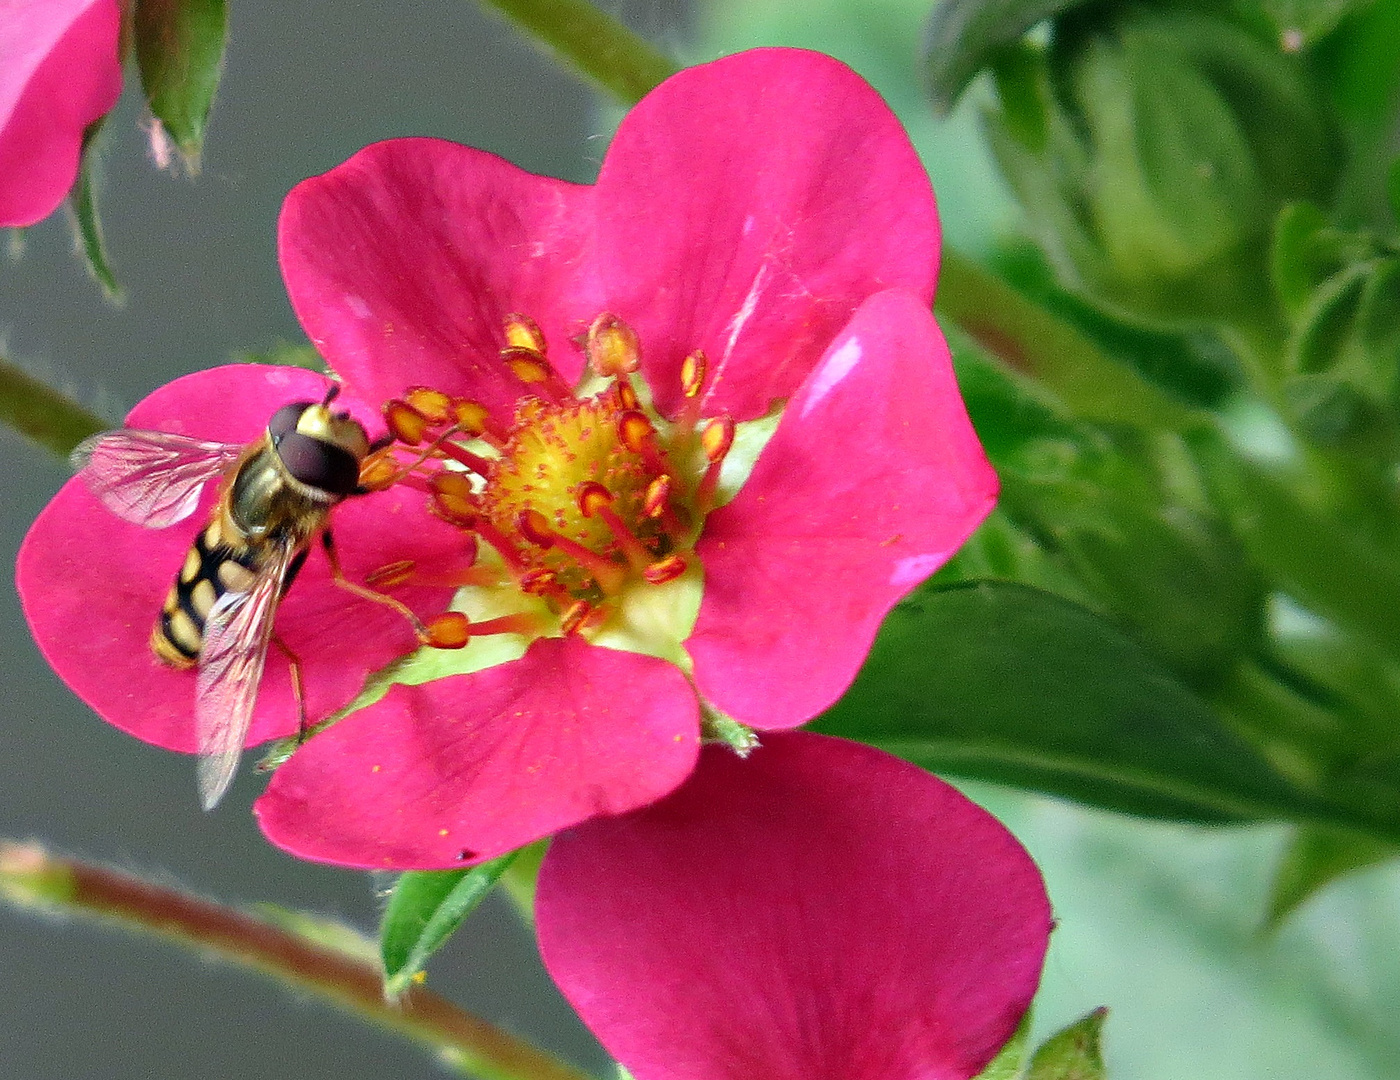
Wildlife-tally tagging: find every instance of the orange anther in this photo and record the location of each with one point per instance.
(634, 430)
(717, 438)
(394, 573)
(573, 618)
(528, 365)
(450, 630)
(626, 396)
(433, 405)
(538, 581)
(658, 497)
(664, 570)
(379, 471)
(471, 416)
(523, 331)
(534, 526)
(406, 423)
(611, 346)
(693, 373)
(592, 497)
(453, 498)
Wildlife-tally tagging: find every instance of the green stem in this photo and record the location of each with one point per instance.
(38, 411)
(1027, 337)
(31, 877)
(596, 44)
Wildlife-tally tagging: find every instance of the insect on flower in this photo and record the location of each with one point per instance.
(276, 497)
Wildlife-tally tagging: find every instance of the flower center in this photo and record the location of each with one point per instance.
(586, 500)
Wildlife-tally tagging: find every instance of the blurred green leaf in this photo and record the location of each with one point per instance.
(1011, 1058)
(1072, 1054)
(1300, 23)
(1003, 682)
(1360, 64)
(284, 354)
(180, 51)
(1314, 858)
(423, 911)
(87, 224)
(964, 34)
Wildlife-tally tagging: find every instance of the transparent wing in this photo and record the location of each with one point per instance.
(151, 478)
(237, 634)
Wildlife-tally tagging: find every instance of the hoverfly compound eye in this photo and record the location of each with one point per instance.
(319, 464)
(284, 420)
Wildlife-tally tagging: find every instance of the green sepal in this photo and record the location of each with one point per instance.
(1314, 858)
(87, 227)
(1073, 1053)
(999, 681)
(964, 35)
(1011, 1058)
(180, 53)
(284, 354)
(424, 909)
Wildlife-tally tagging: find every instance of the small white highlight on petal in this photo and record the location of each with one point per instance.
(836, 367)
(357, 307)
(911, 571)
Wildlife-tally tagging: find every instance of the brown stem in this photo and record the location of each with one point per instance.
(32, 877)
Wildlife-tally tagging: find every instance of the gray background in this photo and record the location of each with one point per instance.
(306, 85)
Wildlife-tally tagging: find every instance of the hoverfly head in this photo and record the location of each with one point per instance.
(319, 448)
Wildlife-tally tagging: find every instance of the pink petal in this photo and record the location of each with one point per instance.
(818, 911)
(59, 71)
(473, 766)
(872, 480)
(402, 263)
(746, 207)
(92, 585)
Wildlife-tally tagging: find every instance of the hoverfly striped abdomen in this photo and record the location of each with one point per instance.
(212, 567)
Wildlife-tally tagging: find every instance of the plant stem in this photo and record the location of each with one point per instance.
(596, 44)
(1027, 337)
(43, 414)
(31, 877)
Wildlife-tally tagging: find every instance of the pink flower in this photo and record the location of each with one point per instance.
(59, 72)
(818, 911)
(761, 232)
(92, 585)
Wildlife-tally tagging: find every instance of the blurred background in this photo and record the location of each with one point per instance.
(1159, 922)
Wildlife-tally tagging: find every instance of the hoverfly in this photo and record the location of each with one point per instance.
(276, 496)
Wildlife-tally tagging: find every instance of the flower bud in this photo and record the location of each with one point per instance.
(1153, 149)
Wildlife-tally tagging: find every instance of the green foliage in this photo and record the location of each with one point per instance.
(424, 910)
(180, 51)
(1315, 858)
(1010, 1059)
(87, 224)
(999, 681)
(1072, 1054)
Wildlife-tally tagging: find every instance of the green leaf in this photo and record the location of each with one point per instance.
(1011, 1058)
(180, 51)
(1299, 23)
(87, 224)
(999, 681)
(1072, 1054)
(1314, 858)
(964, 34)
(423, 911)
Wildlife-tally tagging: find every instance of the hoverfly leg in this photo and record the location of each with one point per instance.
(298, 691)
(366, 593)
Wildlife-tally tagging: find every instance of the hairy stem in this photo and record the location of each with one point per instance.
(31, 877)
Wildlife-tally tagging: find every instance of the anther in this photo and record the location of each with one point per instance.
(596, 500)
(611, 347)
(664, 570)
(394, 573)
(453, 498)
(693, 373)
(574, 617)
(625, 395)
(433, 405)
(658, 497)
(715, 440)
(635, 432)
(379, 471)
(450, 630)
(407, 424)
(532, 369)
(534, 526)
(471, 416)
(523, 331)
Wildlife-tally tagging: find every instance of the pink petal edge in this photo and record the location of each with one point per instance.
(59, 72)
(465, 768)
(403, 262)
(819, 911)
(872, 480)
(92, 586)
(746, 207)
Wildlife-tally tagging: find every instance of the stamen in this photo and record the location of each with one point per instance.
(531, 368)
(407, 424)
(694, 368)
(611, 347)
(657, 504)
(450, 630)
(453, 498)
(535, 528)
(508, 552)
(524, 331)
(475, 462)
(664, 570)
(379, 471)
(392, 574)
(715, 440)
(637, 434)
(596, 500)
(432, 405)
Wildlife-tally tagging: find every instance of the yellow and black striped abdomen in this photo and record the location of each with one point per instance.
(216, 563)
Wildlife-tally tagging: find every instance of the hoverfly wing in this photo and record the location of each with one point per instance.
(151, 478)
(237, 634)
